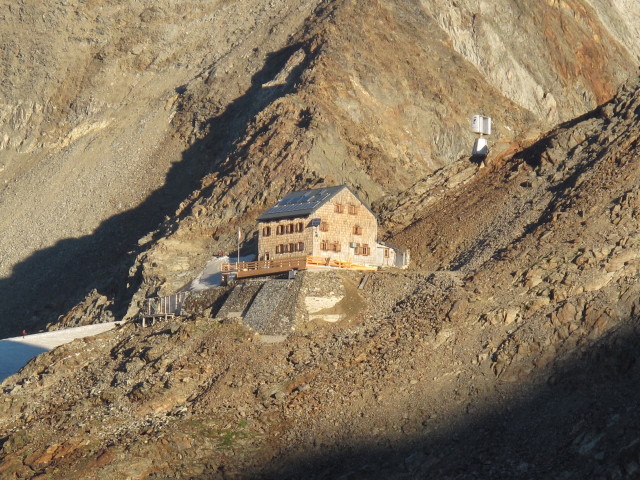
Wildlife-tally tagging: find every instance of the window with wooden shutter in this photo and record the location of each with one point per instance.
(279, 229)
(335, 247)
(353, 209)
(299, 227)
(301, 246)
(266, 231)
(357, 230)
(324, 245)
(278, 249)
(339, 208)
(366, 251)
(324, 226)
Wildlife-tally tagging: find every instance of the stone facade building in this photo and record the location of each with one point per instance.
(329, 222)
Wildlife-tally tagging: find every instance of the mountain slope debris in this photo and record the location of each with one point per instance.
(506, 350)
(507, 355)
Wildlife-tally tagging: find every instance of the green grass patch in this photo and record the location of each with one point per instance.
(225, 438)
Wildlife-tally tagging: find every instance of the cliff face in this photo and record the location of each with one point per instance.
(554, 58)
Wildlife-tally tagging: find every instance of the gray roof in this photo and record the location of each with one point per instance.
(300, 204)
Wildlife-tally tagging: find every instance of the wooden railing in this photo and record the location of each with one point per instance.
(293, 262)
(268, 267)
(170, 304)
(167, 306)
(264, 267)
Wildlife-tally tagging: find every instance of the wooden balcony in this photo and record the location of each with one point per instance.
(271, 267)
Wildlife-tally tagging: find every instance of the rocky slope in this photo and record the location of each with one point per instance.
(333, 110)
(507, 350)
(91, 160)
(117, 115)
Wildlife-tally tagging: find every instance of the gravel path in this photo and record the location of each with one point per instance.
(211, 276)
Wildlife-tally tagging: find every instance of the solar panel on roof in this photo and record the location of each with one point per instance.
(300, 203)
(308, 200)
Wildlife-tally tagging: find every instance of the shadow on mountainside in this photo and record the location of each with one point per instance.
(14, 354)
(580, 422)
(53, 280)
